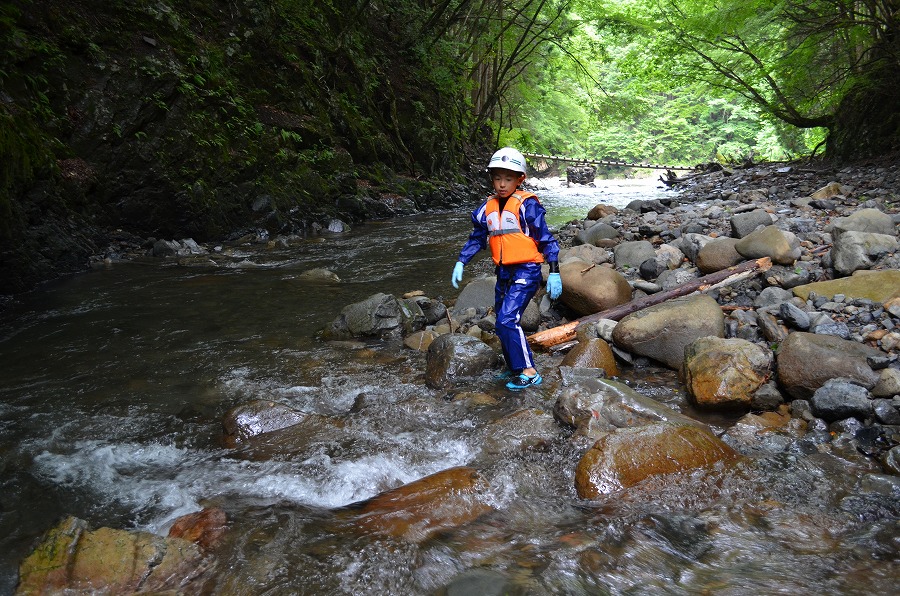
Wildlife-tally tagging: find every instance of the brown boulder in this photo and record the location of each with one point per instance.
(592, 353)
(588, 289)
(204, 528)
(725, 373)
(627, 456)
(807, 360)
(418, 510)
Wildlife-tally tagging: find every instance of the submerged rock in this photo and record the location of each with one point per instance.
(725, 373)
(455, 355)
(625, 457)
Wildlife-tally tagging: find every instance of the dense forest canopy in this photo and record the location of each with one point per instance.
(204, 118)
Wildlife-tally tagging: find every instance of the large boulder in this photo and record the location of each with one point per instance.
(420, 509)
(592, 353)
(807, 360)
(257, 417)
(725, 373)
(378, 315)
(865, 220)
(586, 252)
(838, 399)
(632, 254)
(72, 559)
(625, 457)
(860, 250)
(661, 332)
(613, 405)
(529, 429)
(782, 247)
(742, 224)
(588, 289)
(456, 355)
(595, 234)
(879, 286)
(478, 294)
(718, 254)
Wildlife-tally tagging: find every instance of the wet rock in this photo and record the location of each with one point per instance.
(782, 247)
(420, 509)
(891, 460)
(377, 315)
(248, 420)
(725, 373)
(663, 331)
(630, 255)
(838, 399)
(860, 250)
(764, 434)
(433, 310)
(592, 353)
(318, 275)
(767, 397)
(530, 429)
(73, 559)
(420, 340)
(625, 457)
(455, 355)
(614, 404)
(806, 361)
(887, 411)
(589, 289)
(204, 528)
(718, 254)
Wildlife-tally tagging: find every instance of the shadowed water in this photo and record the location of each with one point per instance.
(114, 383)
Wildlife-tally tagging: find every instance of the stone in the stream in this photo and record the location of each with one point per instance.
(72, 559)
(838, 399)
(661, 332)
(807, 360)
(257, 417)
(592, 353)
(725, 373)
(424, 507)
(589, 288)
(456, 355)
(477, 294)
(529, 429)
(378, 315)
(624, 458)
(204, 528)
(319, 275)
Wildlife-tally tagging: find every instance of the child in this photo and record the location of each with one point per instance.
(511, 222)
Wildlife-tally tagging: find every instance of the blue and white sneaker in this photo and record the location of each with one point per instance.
(523, 381)
(504, 375)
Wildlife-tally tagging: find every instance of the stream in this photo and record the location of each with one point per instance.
(113, 385)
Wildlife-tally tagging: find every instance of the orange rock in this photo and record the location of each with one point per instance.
(415, 511)
(592, 353)
(204, 528)
(627, 456)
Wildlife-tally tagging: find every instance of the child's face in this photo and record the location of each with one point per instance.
(506, 181)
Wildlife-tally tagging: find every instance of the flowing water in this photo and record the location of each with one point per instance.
(113, 385)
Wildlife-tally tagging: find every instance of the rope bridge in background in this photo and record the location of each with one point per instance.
(606, 162)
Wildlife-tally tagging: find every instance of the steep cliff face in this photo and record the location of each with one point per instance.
(205, 118)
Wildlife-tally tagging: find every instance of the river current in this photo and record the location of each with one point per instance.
(113, 385)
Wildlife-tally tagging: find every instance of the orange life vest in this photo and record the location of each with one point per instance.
(509, 244)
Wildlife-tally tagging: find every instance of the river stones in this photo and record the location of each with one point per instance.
(478, 294)
(807, 360)
(72, 559)
(592, 353)
(718, 254)
(838, 399)
(661, 332)
(625, 457)
(456, 355)
(782, 247)
(725, 373)
(588, 288)
(257, 417)
(529, 429)
(420, 509)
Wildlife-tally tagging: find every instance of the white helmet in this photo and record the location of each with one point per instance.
(509, 159)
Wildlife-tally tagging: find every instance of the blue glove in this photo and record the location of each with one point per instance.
(554, 285)
(457, 274)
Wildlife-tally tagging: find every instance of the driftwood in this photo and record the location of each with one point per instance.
(563, 333)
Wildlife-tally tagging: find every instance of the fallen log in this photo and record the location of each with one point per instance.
(556, 335)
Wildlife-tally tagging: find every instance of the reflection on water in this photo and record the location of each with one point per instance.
(114, 384)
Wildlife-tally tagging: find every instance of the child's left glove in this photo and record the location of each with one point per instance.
(554, 285)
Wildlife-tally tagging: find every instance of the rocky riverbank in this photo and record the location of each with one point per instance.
(798, 361)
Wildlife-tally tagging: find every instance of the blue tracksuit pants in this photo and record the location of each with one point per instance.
(516, 285)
